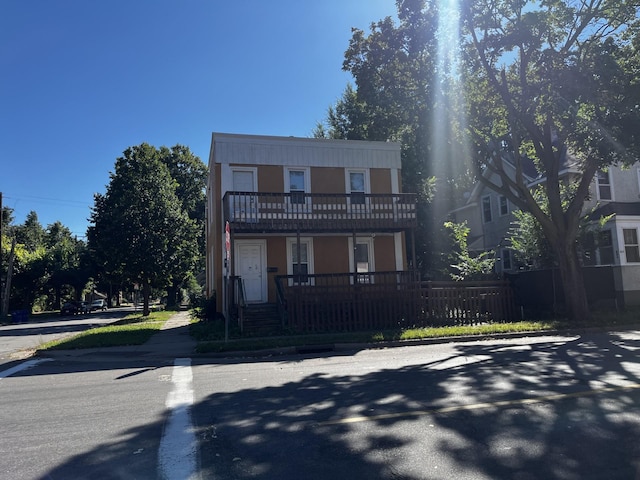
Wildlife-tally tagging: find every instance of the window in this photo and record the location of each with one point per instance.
(598, 248)
(504, 206)
(486, 209)
(631, 250)
(297, 186)
(357, 186)
(300, 270)
(361, 259)
(506, 259)
(603, 183)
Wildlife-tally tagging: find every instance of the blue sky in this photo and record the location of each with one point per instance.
(83, 80)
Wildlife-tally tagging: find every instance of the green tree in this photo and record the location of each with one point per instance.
(468, 266)
(30, 233)
(66, 262)
(552, 81)
(395, 99)
(190, 175)
(138, 225)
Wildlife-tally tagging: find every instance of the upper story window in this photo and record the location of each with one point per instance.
(603, 185)
(357, 185)
(486, 209)
(504, 205)
(297, 184)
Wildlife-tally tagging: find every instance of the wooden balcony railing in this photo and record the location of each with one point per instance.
(299, 211)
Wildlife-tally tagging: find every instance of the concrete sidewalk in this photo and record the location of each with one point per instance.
(173, 340)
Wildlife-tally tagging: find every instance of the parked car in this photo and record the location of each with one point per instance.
(98, 305)
(71, 307)
(84, 307)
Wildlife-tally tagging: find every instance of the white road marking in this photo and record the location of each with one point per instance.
(177, 456)
(22, 366)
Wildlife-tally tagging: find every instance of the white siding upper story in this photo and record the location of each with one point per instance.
(303, 152)
(615, 184)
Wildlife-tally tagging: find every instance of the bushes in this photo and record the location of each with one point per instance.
(205, 308)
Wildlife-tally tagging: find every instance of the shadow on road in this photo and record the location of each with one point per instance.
(310, 428)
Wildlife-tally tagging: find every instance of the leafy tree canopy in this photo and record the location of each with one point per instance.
(140, 229)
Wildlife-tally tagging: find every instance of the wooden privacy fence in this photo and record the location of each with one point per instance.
(351, 302)
(467, 303)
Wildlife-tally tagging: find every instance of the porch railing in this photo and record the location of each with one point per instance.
(351, 302)
(250, 211)
(236, 299)
(467, 303)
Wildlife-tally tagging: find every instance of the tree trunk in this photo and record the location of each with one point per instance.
(146, 293)
(575, 294)
(172, 295)
(7, 285)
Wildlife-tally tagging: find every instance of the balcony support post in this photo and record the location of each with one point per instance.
(298, 277)
(355, 263)
(413, 249)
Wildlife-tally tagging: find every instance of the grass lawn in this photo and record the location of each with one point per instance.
(210, 335)
(134, 329)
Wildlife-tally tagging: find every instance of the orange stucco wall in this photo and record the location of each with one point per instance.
(328, 180)
(270, 178)
(380, 180)
(330, 254)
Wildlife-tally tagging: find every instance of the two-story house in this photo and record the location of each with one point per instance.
(614, 195)
(303, 218)
(488, 215)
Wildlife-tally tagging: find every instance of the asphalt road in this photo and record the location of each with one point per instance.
(18, 339)
(548, 407)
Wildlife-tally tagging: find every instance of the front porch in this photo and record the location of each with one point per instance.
(371, 301)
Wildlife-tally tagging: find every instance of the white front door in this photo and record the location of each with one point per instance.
(250, 266)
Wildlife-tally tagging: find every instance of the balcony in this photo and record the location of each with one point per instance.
(319, 212)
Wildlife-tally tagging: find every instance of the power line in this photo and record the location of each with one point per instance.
(60, 201)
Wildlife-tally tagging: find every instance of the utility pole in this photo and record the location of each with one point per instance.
(1, 263)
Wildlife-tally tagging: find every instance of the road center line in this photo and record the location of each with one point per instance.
(177, 455)
(22, 366)
(477, 406)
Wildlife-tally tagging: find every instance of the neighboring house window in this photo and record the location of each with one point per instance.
(507, 264)
(605, 248)
(603, 182)
(504, 206)
(357, 185)
(631, 250)
(304, 268)
(486, 209)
